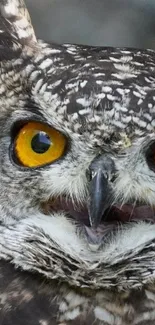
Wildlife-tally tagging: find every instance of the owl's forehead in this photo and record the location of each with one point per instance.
(97, 90)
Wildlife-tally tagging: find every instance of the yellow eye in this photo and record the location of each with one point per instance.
(38, 144)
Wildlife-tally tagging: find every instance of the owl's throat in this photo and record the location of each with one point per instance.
(114, 217)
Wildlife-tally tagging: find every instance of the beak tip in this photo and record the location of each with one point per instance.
(94, 221)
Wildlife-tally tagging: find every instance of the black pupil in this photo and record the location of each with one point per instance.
(40, 142)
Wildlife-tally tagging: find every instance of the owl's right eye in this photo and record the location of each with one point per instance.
(150, 155)
(38, 144)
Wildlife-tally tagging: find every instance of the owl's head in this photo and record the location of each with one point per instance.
(77, 157)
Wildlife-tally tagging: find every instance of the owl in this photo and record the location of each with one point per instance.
(77, 180)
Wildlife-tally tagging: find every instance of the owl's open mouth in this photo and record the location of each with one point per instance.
(114, 217)
(117, 216)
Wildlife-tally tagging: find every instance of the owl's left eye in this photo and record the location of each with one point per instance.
(37, 144)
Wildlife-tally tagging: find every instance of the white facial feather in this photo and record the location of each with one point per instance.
(36, 237)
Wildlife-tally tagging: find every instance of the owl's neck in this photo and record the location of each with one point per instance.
(52, 247)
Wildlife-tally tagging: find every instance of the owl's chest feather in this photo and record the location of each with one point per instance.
(110, 308)
(28, 299)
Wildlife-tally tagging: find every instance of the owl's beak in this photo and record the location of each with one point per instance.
(100, 190)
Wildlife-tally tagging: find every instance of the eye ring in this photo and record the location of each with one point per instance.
(37, 144)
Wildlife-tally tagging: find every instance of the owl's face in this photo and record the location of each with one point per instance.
(72, 145)
(77, 146)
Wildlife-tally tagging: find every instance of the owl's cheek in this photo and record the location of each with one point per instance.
(135, 187)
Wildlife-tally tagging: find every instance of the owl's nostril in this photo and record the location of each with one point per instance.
(105, 163)
(113, 177)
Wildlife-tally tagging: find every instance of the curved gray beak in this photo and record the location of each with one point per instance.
(101, 172)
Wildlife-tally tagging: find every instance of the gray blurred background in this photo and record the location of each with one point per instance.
(95, 22)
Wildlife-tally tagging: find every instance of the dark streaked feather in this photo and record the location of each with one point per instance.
(28, 299)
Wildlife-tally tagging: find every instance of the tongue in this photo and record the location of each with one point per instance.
(95, 236)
